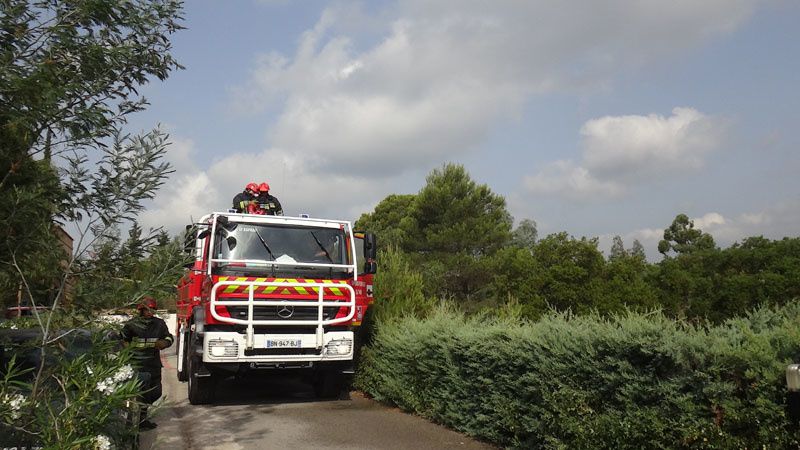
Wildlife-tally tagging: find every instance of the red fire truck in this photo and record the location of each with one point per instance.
(268, 293)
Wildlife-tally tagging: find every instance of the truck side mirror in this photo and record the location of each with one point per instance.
(370, 246)
(370, 253)
(188, 240)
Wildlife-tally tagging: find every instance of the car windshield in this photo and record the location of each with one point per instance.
(280, 243)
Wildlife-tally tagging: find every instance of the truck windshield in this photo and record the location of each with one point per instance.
(262, 243)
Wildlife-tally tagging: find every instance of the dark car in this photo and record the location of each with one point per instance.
(23, 346)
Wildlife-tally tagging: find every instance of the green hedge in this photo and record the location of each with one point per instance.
(631, 381)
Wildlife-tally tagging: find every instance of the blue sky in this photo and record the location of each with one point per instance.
(598, 118)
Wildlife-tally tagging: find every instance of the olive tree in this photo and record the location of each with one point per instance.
(70, 74)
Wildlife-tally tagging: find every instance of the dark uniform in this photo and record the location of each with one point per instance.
(142, 333)
(242, 201)
(269, 204)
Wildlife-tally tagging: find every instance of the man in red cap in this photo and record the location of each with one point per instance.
(243, 200)
(147, 335)
(267, 203)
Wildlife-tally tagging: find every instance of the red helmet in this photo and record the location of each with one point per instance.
(263, 187)
(147, 302)
(252, 187)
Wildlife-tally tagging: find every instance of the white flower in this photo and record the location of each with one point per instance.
(102, 442)
(89, 369)
(14, 402)
(124, 373)
(107, 386)
(13, 326)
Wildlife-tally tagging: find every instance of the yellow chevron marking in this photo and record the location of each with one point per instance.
(335, 290)
(300, 289)
(234, 287)
(285, 291)
(269, 289)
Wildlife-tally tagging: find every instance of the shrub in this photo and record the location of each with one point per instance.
(629, 381)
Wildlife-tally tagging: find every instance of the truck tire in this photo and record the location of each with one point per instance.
(328, 384)
(201, 389)
(183, 356)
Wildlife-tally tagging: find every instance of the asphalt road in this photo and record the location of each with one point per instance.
(284, 414)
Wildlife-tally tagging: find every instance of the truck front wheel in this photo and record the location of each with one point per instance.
(328, 384)
(201, 388)
(183, 360)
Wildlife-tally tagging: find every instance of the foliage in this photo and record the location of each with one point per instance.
(69, 74)
(398, 288)
(717, 284)
(70, 70)
(682, 237)
(447, 230)
(525, 235)
(456, 238)
(455, 214)
(393, 220)
(69, 78)
(115, 277)
(89, 390)
(630, 381)
(27, 231)
(398, 293)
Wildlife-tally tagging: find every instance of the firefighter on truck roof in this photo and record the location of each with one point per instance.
(243, 200)
(266, 203)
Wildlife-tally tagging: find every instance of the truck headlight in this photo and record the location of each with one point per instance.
(223, 348)
(339, 347)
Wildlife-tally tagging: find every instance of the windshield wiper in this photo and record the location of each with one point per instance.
(264, 243)
(327, 255)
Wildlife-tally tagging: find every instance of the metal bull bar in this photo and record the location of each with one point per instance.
(251, 302)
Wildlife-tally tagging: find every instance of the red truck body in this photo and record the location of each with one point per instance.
(266, 293)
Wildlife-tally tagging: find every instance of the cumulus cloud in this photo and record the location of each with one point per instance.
(439, 75)
(620, 150)
(368, 96)
(709, 220)
(642, 146)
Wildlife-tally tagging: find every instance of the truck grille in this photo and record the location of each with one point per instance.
(282, 313)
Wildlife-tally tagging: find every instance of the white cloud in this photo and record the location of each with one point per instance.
(441, 74)
(187, 197)
(645, 146)
(622, 150)
(179, 155)
(709, 220)
(575, 182)
(367, 97)
(301, 185)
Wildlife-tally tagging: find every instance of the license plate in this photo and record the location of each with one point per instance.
(284, 343)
